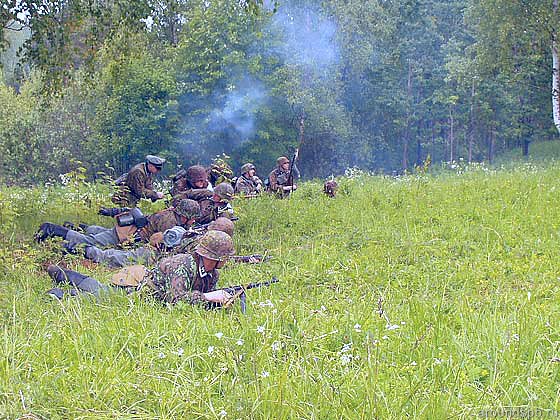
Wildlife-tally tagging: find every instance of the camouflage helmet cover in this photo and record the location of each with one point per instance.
(224, 191)
(222, 224)
(196, 173)
(247, 167)
(215, 245)
(188, 208)
(282, 159)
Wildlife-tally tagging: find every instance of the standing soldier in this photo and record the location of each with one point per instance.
(281, 179)
(138, 183)
(248, 184)
(182, 277)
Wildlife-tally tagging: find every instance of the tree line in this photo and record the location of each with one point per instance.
(383, 85)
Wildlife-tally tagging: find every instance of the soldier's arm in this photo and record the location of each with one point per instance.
(198, 194)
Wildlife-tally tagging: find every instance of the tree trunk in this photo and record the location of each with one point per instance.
(491, 143)
(471, 124)
(451, 134)
(406, 139)
(555, 75)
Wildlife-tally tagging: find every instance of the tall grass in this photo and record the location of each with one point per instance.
(464, 269)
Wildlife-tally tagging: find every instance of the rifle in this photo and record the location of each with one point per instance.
(199, 229)
(253, 258)
(239, 292)
(296, 153)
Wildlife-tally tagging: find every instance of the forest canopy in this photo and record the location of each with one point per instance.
(381, 85)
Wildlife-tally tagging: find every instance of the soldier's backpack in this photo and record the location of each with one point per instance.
(121, 180)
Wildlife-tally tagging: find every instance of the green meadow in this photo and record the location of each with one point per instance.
(422, 296)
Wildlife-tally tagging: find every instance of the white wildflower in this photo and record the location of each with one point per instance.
(437, 361)
(266, 303)
(180, 351)
(222, 413)
(210, 349)
(385, 337)
(276, 346)
(265, 374)
(345, 359)
(240, 342)
(391, 327)
(161, 355)
(413, 363)
(219, 335)
(260, 329)
(346, 348)
(358, 328)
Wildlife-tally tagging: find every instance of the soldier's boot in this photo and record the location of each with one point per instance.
(58, 293)
(58, 274)
(48, 230)
(82, 282)
(112, 211)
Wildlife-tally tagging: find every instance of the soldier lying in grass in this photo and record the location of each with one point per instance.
(181, 277)
(139, 230)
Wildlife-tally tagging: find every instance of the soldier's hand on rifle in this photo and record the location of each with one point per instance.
(218, 296)
(159, 195)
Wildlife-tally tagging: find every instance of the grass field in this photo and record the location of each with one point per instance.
(463, 267)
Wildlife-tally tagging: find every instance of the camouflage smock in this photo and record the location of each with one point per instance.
(203, 196)
(248, 186)
(159, 222)
(179, 277)
(138, 184)
(279, 178)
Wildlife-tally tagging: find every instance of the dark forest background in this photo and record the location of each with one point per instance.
(378, 84)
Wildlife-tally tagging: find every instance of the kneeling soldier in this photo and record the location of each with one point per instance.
(138, 183)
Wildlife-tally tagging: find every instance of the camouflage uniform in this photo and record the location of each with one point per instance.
(246, 184)
(183, 277)
(179, 277)
(138, 184)
(279, 178)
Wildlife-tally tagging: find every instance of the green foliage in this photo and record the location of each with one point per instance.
(464, 268)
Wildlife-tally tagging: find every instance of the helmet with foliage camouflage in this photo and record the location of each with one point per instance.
(196, 173)
(188, 208)
(220, 170)
(224, 191)
(222, 224)
(281, 160)
(247, 167)
(215, 245)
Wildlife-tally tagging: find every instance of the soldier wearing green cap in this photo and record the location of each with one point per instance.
(248, 184)
(182, 277)
(138, 183)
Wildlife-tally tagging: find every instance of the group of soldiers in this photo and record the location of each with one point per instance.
(176, 252)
